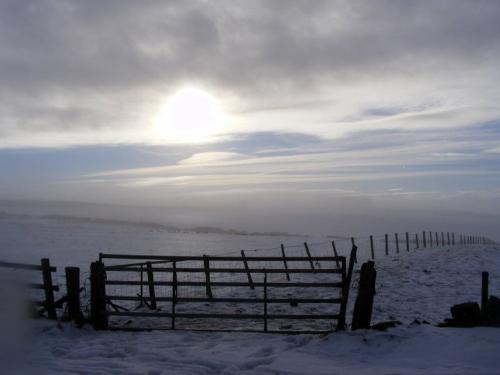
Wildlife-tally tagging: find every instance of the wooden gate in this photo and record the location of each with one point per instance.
(236, 293)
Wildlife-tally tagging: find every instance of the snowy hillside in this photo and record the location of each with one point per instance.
(417, 285)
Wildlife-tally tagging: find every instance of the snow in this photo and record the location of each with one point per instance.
(420, 284)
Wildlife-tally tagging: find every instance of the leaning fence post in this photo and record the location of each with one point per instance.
(397, 242)
(336, 254)
(309, 255)
(284, 262)
(386, 244)
(416, 240)
(249, 276)
(206, 264)
(407, 241)
(98, 312)
(364, 302)
(73, 293)
(484, 291)
(371, 247)
(48, 288)
(151, 284)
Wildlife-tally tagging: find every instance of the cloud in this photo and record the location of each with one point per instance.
(77, 72)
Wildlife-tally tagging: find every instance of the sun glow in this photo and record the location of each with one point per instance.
(191, 115)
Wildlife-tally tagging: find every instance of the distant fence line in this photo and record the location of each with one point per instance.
(377, 245)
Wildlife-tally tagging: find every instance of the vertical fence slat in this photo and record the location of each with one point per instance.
(437, 239)
(265, 302)
(284, 262)
(151, 285)
(174, 292)
(416, 240)
(206, 265)
(386, 244)
(448, 236)
(396, 238)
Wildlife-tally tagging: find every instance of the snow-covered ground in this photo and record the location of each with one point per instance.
(421, 284)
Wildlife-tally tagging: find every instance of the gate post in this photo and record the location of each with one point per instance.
(73, 293)
(98, 313)
(346, 279)
(363, 306)
(48, 288)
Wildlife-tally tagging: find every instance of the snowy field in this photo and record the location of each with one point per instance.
(419, 285)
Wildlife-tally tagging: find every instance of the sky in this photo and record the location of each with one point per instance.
(303, 116)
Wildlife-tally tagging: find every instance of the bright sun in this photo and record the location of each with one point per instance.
(191, 115)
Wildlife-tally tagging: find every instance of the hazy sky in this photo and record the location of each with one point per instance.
(381, 112)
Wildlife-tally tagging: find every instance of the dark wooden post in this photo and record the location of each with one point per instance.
(283, 254)
(335, 253)
(453, 238)
(448, 235)
(98, 312)
(206, 264)
(397, 242)
(437, 239)
(416, 240)
(142, 284)
(309, 255)
(430, 239)
(345, 289)
(371, 247)
(174, 291)
(151, 284)
(424, 242)
(73, 293)
(386, 244)
(484, 291)
(249, 276)
(48, 289)
(364, 302)
(407, 241)
(442, 238)
(265, 301)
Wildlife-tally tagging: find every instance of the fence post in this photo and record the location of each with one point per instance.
(73, 293)
(48, 288)
(151, 284)
(407, 241)
(335, 253)
(416, 240)
(386, 244)
(364, 302)
(98, 313)
(448, 236)
(397, 242)
(484, 291)
(174, 292)
(345, 289)
(437, 239)
(206, 264)
(442, 238)
(430, 239)
(265, 301)
(371, 247)
(424, 242)
(453, 238)
(309, 255)
(249, 276)
(284, 262)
